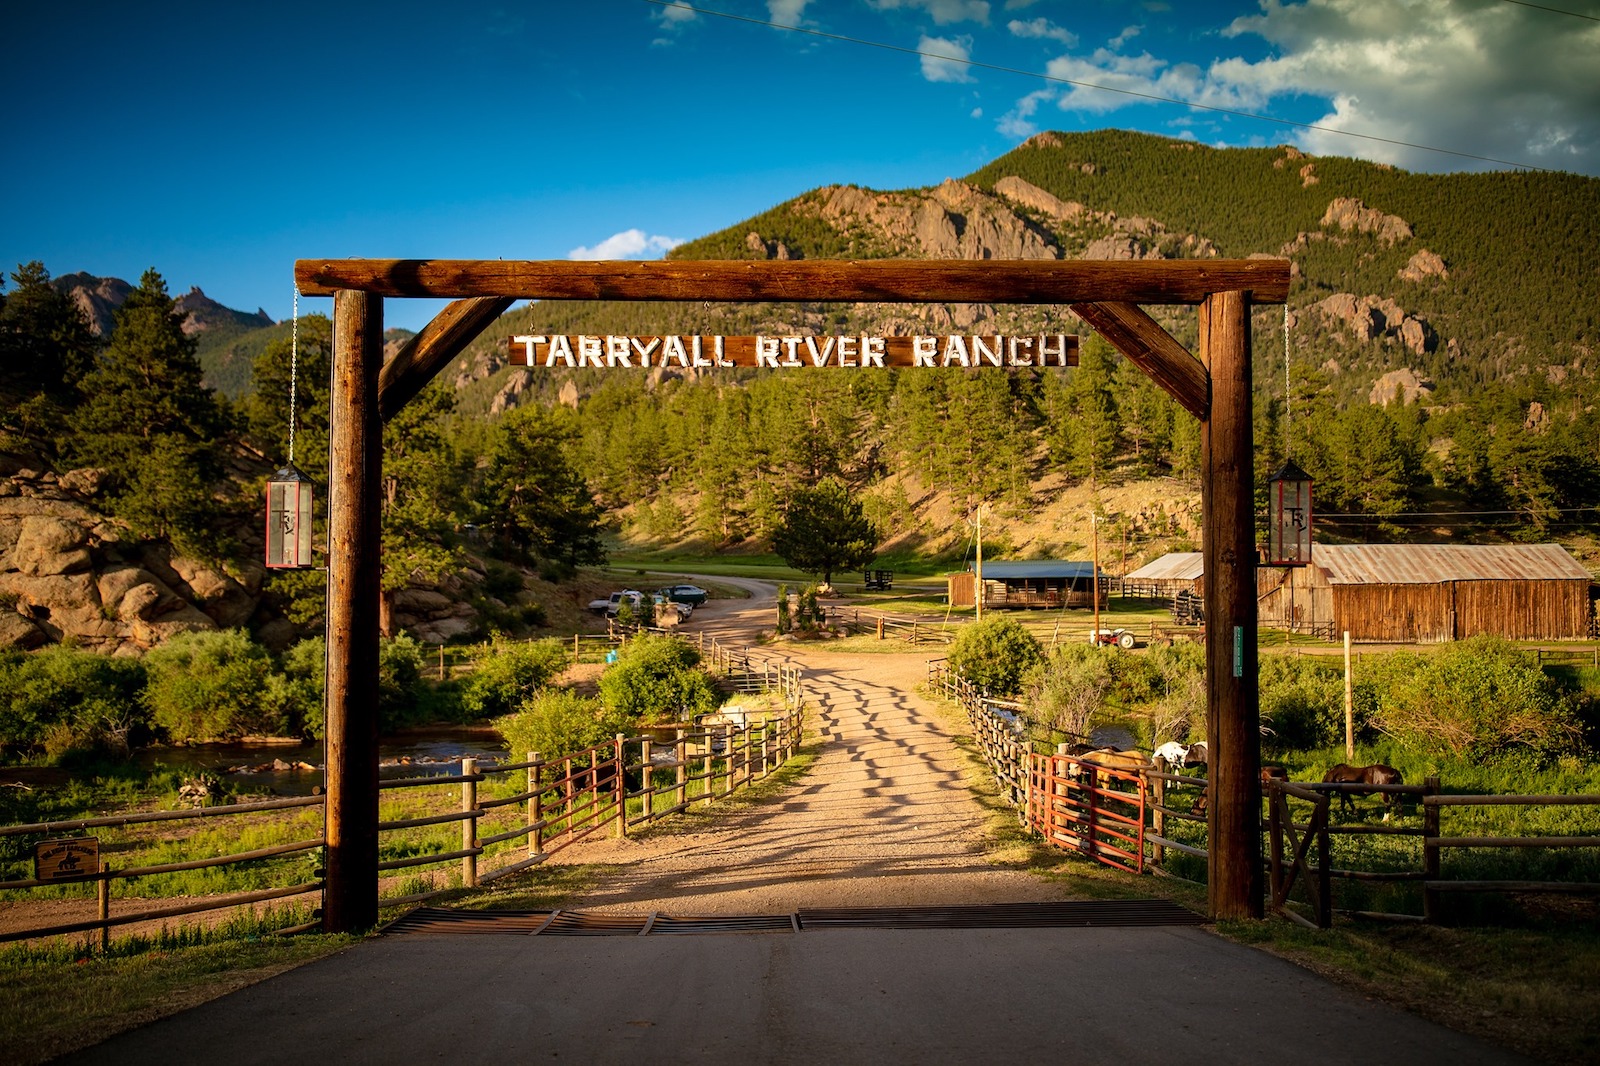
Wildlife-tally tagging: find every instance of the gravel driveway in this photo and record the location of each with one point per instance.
(883, 817)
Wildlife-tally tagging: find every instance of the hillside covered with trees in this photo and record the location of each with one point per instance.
(1435, 372)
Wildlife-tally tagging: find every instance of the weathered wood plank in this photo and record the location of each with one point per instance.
(1153, 350)
(1014, 281)
(616, 352)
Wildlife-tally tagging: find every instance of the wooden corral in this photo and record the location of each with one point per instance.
(1430, 593)
(1046, 583)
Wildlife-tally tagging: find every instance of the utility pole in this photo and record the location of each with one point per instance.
(977, 577)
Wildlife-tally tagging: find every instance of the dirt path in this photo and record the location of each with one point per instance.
(883, 818)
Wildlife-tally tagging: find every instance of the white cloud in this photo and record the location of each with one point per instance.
(944, 59)
(1018, 122)
(1044, 28)
(1128, 33)
(629, 244)
(1495, 80)
(786, 12)
(943, 12)
(677, 12)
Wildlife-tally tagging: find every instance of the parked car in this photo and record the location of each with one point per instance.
(663, 604)
(693, 595)
(611, 604)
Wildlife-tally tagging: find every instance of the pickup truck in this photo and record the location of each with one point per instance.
(614, 602)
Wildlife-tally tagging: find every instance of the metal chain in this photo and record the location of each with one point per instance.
(294, 368)
(1287, 446)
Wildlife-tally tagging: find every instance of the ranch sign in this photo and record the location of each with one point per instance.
(679, 351)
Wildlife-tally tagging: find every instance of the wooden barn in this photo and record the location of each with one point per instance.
(1167, 576)
(1429, 593)
(1045, 583)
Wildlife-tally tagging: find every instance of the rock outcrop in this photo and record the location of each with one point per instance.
(67, 573)
(1350, 214)
(1371, 317)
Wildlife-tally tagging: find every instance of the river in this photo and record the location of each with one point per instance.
(295, 768)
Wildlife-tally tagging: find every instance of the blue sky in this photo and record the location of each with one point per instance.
(219, 143)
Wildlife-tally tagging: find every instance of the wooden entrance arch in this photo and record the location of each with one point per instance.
(1215, 387)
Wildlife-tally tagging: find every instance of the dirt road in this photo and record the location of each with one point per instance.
(884, 816)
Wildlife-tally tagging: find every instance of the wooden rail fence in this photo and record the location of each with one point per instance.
(1077, 806)
(618, 785)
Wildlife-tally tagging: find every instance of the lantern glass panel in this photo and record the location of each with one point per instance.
(289, 520)
(1289, 517)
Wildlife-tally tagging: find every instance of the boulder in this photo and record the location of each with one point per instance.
(47, 545)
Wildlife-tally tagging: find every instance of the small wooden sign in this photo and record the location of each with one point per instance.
(55, 860)
(777, 351)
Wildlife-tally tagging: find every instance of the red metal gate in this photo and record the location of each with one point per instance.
(1094, 810)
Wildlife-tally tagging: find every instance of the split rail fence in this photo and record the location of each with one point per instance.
(512, 815)
(1137, 821)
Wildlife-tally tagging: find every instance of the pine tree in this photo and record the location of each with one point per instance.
(537, 499)
(824, 530)
(147, 419)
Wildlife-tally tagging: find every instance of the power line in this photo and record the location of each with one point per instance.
(1553, 10)
(1105, 88)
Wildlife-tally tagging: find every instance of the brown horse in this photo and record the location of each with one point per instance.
(1376, 774)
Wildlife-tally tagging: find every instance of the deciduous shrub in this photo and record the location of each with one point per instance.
(64, 703)
(556, 722)
(1067, 691)
(1303, 700)
(1479, 698)
(657, 679)
(995, 655)
(210, 686)
(505, 673)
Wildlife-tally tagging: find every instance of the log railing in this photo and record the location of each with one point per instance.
(555, 803)
(1096, 821)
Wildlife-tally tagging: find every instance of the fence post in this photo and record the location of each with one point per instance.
(441, 662)
(469, 825)
(619, 786)
(680, 755)
(647, 786)
(535, 830)
(1158, 817)
(1275, 840)
(1430, 851)
(102, 892)
(728, 758)
(1324, 864)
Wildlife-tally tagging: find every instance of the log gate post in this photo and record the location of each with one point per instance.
(355, 468)
(1233, 708)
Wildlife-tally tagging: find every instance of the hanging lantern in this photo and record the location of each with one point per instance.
(1289, 516)
(289, 519)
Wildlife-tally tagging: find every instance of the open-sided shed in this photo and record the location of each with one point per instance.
(1043, 583)
(1429, 593)
(1167, 576)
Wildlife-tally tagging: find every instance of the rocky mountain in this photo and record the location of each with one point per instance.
(99, 299)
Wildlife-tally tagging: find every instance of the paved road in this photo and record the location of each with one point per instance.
(817, 997)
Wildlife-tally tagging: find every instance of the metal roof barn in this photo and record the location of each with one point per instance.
(1430, 593)
(1033, 583)
(1166, 576)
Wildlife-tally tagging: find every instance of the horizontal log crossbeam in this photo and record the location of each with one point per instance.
(1005, 281)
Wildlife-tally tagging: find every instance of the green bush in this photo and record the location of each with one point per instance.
(1067, 692)
(505, 673)
(557, 722)
(400, 684)
(995, 655)
(298, 690)
(66, 703)
(1302, 700)
(1479, 698)
(210, 686)
(657, 679)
